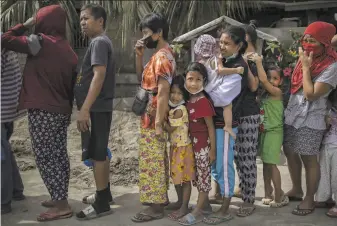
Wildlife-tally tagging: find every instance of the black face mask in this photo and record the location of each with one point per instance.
(149, 43)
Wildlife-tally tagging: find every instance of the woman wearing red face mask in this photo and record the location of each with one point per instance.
(314, 77)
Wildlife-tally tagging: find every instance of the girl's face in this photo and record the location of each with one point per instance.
(227, 46)
(176, 95)
(275, 78)
(194, 82)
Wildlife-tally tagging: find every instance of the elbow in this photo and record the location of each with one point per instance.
(310, 97)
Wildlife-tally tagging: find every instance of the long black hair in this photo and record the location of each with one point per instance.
(238, 35)
(250, 30)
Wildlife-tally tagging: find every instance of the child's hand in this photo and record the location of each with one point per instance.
(255, 57)
(240, 70)
(212, 156)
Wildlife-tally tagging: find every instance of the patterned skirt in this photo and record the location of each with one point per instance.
(153, 168)
(182, 164)
(303, 141)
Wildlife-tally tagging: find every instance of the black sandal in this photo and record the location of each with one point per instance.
(302, 212)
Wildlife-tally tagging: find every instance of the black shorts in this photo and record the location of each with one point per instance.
(95, 141)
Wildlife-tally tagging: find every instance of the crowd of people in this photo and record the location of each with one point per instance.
(212, 115)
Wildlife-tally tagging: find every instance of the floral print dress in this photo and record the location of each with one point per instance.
(182, 156)
(153, 159)
(198, 110)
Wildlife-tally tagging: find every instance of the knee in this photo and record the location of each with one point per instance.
(310, 161)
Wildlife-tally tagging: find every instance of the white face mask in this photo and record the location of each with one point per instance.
(173, 105)
(202, 88)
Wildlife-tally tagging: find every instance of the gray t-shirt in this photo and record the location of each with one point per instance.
(303, 113)
(99, 52)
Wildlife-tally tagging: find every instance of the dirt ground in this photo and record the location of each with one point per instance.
(124, 169)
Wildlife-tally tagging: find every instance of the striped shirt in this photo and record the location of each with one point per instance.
(11, 79)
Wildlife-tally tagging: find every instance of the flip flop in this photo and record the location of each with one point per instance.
(90, 213)
(176, 215)
(245, 211)
(332, 212)
(143, 217)
(215, 220)
(190, 219)
(44, 217)
(302, 212)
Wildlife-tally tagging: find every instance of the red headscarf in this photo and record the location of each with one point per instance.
(323, 33)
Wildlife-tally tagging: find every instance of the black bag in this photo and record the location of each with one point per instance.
(140, 103)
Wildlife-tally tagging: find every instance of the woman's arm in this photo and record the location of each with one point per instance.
(15, 40)
(312, 91)
(162, 102)
(211, 134)
(139, 48)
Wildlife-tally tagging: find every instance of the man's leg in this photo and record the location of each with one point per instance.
(99, 138)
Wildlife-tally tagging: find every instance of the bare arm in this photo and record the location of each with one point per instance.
(312, 91)
(222, 71)
(95, 86)
(139, 67)
(253, 81)
(162, 101)
(274, 91)
(211, 134)
(177, 114)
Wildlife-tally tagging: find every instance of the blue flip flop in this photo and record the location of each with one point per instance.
(190, 219)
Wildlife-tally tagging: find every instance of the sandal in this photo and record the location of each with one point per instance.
(215, 220)
(332, 212)
(302, 212)
(267, 201)
(90, 199)
(245, 211)
(144, 217)
(44, 217)
(175, 215)
(190, 219)
(284, 202)
(90, 213)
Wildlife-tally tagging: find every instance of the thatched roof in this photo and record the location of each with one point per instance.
(213, 25)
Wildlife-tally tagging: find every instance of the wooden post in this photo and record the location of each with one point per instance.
(192, 50)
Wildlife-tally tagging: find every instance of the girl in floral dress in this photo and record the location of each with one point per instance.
(181, 155)
(202, 133)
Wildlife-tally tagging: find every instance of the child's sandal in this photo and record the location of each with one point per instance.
(284, 202)
(266, 201)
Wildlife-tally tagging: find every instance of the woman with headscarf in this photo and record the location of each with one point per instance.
(314, 76)
(47, 93)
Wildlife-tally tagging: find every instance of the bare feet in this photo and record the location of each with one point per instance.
(176, 215)
(230, 131)
(173, 206)
(295, 195)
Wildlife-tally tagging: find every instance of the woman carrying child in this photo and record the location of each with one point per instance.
(271, 130)
(182, 156)
(202, 133)
(224, 84)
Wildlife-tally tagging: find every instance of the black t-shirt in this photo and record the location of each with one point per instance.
(238, 102)
(99, 52)
(250, 105)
